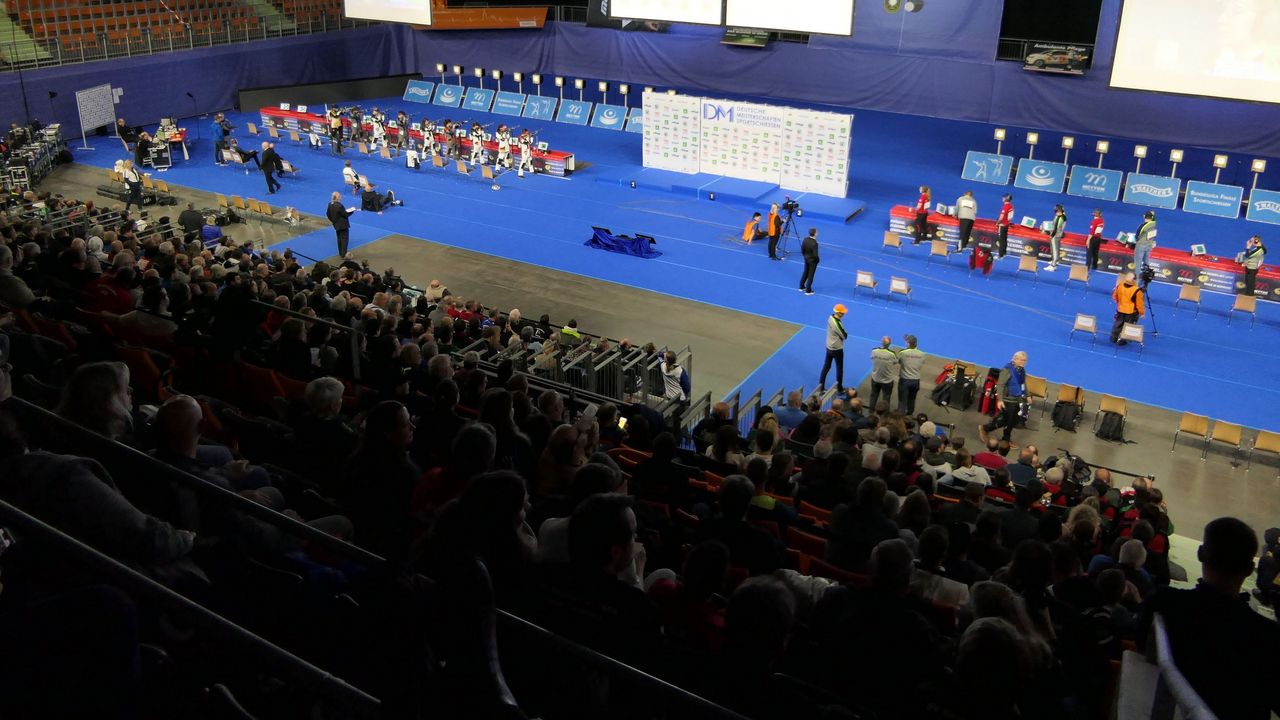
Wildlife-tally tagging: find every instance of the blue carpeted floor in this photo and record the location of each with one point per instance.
(1200, 365)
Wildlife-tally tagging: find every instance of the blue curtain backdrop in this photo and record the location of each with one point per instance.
(939, 62)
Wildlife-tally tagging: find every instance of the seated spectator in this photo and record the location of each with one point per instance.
(692, 611)
(782, 473)
(658, 478)
(1020, 522)
(290, 353)
(932, 461)
(151, 320)
(914, 515)
(98, 397)
(764, 444)
(928, 580)
(1112, 622)
(790, 415)
(967, 510)
(758, 624)
(211, 234)
(1024, 470)
(704, 433)
(553, 532)
(322, 435)
(611, 435)
(725, 447)
(566, 451)
(993, 458)
(515, 451)
(1268, 568)
(958, 566)
(749, 546)
(763, 505)
(856, 529)
(966, 471)
(986, 550)
(1001, 488)
(377, 485)
(808, 432)
(992, 665)
(1224, 649)
(471, 454)
(14, 292)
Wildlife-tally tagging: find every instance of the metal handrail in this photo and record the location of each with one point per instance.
(291, 667)
(1172, 686)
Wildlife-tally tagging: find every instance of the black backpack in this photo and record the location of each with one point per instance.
(941, 394)
(963, 393)
(1066, 415)
(1112, 427)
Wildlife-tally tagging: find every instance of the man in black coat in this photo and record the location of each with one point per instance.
(339, 216)
(809, 248)
(271, 163)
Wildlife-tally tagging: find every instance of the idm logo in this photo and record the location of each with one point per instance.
(711, 111)
(1152, 190)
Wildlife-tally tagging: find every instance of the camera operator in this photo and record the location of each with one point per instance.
(1129, 305)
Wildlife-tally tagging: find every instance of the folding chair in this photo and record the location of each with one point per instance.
(163, 187)
(1192, 424)
(1085, 324)
(1265, 441)
(1110, 403)
(1226, 433)
(1190, 293)
(462, 168)
(222, 201)
(892, 240)
(1132, 332)
(385, 152)
(1028, 264)
(900, 286)
(293, 135)
(437, 160)
(146, 182)
(1080, 274)
(804, 542)
(265, 210)
(237, 203)
(1245, 303)
(865, 280)
(939, 248)
(253, 129)
(271, 130)
(1074, 395)
(1037, 387)
(362, 147)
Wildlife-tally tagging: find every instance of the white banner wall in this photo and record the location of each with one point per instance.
(671, 128)
(741, 140)
(815, 152)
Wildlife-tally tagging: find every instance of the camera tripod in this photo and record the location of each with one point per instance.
(1146, 276)
(788, 231)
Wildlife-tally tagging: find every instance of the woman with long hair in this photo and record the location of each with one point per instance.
(99, 398)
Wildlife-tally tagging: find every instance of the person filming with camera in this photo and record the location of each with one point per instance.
(1130, 306)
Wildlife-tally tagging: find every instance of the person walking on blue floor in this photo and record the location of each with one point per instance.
(910, 360)
(1145, 241)
(1009, 404)
(809, 249)
(836, 335)
(884, 371)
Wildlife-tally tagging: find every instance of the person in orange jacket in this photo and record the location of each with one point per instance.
(775, 231)
(751, 231)
(1130, 306)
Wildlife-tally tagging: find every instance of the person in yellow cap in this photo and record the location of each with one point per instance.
(836, 335)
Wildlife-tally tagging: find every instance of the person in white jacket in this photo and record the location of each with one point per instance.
(966, 213)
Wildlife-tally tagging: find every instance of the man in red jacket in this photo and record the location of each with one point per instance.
(1002, 224)
(922, 214)
(1096, 227)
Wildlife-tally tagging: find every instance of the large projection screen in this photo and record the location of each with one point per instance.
(414, 12)
(830, 17)
(701, 12)
(1226, 49)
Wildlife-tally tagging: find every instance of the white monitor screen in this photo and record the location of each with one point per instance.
(831, 17)
(702, 12)
(414, 12)
(1226, 49)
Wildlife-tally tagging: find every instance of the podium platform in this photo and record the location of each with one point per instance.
(734, 191)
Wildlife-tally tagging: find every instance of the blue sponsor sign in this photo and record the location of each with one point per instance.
(1096, 183)
(540, 108)
(1264, 206)
(1152, 190)
(609, 117)
(418, 91)
(987, 168)
(1212, 199)
(478, 99)
(635, 121)
(448, 96)
(1040, 175)
(508, 103)
(574, 112)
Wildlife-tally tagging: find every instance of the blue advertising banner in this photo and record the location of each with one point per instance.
(508, 103)
(478, 99)
(635, 121)
(540, 108)
(1152, 191)
(1040, 175)
(1264, 206)
(1211, 199)
(574, 112)
(448, 96)
(418, 91)
(609, 117)
(1096, 183)
(987, 168)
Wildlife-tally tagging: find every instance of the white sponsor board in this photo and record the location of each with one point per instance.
(671, 132)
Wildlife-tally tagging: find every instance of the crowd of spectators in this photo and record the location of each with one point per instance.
(882, 566)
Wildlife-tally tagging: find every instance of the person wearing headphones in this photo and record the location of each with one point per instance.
(1251, 259)
(1145, 241)
(836, 335)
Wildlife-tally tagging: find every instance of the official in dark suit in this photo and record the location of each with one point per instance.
(142, 151)
(340, 217)
(271, 163)
(809, 249)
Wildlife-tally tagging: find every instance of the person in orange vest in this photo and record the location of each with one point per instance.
(922, 214)
(752, 232)
(1129, 306)
(775, 231)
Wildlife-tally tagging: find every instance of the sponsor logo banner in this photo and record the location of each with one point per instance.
(1096, 183)
(540, 108)
(1040, 175)
(1152, 191)
(1264, 206)
(478, 99)
(635, 121)
(508, 103)
(987, 168)
(1211, 199)
(671, 127)
(418, 91)
(448, 96)
(609, 117)
(574, 112)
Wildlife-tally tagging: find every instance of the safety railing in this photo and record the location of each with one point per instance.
(746, 415)
(1174, 696)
